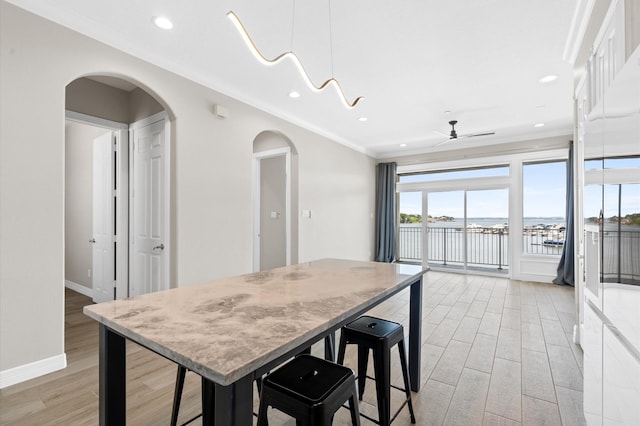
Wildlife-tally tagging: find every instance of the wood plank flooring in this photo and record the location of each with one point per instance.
(495, 352)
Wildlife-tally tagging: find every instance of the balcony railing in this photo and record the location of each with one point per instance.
(621, 257)
(488, 247)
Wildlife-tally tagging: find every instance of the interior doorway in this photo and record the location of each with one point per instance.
(275, 219)
(272, 216)
(96, 200)
(116, 187)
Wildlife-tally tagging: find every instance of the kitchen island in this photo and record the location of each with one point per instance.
(233, 330)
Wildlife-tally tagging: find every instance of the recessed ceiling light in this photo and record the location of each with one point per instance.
(163, 22)
(294, 94)
(538, 125)
(403, 145)
(548, 78)
(363, 119)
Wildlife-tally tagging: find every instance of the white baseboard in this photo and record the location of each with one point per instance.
(546, 279)
(32, 370)
(79, 288)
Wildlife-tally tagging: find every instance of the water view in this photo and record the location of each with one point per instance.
(485, 244)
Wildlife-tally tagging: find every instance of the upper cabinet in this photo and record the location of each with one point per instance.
(608, 54)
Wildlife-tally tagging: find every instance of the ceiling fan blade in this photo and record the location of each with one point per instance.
(475, 135)
(440, 133)
(443, 142)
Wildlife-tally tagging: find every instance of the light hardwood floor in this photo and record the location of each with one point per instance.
(495, 352)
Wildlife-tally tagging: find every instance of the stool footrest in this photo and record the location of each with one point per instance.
(404, 403)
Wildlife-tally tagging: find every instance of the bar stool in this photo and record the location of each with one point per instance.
(177, 396)
(309, 389)
(329, 351)
(380, 336)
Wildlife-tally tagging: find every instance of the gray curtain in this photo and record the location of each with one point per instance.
(386, 212)
(565, 273)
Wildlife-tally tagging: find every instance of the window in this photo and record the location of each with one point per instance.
(467, 173)
(544, 207)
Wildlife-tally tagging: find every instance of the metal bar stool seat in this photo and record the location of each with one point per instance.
(311, 390)
(380, 336)
(329, 351)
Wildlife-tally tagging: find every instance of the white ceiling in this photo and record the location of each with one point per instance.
(411, 60)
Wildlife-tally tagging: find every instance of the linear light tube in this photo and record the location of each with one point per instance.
(291, 56)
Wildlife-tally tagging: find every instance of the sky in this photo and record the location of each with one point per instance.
(544, 190)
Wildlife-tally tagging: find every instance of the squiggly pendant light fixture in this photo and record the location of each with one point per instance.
(292, 56)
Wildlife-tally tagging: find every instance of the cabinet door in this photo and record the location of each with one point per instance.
(621, 381)
(592, 346)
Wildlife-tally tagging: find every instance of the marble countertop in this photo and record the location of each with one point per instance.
(225, 329)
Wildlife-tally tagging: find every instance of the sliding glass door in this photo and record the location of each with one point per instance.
(461, 230)
(487, 229)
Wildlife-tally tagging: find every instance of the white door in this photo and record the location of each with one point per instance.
(103, 241)
(149, 242)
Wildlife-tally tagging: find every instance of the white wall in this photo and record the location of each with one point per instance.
(211, 167)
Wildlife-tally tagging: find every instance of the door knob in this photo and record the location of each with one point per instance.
(160, 247)
(92, 241)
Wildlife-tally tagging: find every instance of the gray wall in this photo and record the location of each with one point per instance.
(211, 163)
(78, 202)
(273, 195)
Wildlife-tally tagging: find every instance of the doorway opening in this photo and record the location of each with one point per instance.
(116, 190)
(275, 202)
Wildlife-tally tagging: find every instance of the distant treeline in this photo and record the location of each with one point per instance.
(417, 218)
(630, 219)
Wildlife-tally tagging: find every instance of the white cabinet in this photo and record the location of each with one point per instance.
(621, 381)
(608, 54)
(592, 345)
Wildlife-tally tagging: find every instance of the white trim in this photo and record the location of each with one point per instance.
(538, 278)
(162, 115)
(122, 214)
(489, 161)
(79, 288)
(257, 157)
(604, 28)
(32, 370)
(611, 176)
(497, 182)
(255, 196)
(94, 121)
(579, 24)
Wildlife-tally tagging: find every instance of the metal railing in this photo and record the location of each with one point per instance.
(446, 246)
(543, 240)
(488, 247)
(621, 257)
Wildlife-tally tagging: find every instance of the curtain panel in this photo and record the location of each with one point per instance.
(386, 212)
(565, 272)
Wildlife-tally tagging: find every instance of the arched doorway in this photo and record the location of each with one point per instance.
(117, 156)
(275, 188)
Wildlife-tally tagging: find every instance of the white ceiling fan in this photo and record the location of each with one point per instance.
(454, 135)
